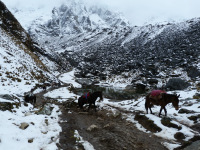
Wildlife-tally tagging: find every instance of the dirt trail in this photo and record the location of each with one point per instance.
(111, 133)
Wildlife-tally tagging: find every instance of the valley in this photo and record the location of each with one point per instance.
(62, 50)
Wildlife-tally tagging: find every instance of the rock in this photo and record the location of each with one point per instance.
(109, 126)
(30, 140)
(24, 125)
(185, 111)
(102, 76)
(45, 110)
(28, 114)
(92, 128)
(6, 106)
(196, 96)
(99, 119)
(116, 113)
(179, 136)
(176, 84)
(193, 146)
(46, 122)
(194, 118)
(196, 127)
(85, 82)
(7, 97)
(193, 72)
(140, 88)
(129, 87)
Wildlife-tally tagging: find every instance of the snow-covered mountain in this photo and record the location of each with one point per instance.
(73, 24)
(22, 63)
(101, 42)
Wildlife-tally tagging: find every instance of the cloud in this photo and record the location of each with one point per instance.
(138, 12)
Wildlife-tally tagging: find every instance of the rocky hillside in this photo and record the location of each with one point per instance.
(150, 50)
(22, 63)
(98, 40)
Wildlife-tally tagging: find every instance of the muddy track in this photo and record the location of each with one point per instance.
(111, 133)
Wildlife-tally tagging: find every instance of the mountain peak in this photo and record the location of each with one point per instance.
(77, 18)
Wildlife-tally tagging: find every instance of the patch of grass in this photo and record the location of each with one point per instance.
(11, 76)
(147, 123)
(194, 118)
(167, 122)
(27, 83)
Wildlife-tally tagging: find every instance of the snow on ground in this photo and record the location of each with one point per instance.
(18, 72)
(85, 144)
(137, 105)
(40, 134)
(179, 119)
(61, 93)
(69, 78)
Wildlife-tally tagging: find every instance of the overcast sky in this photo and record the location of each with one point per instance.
(141, 11)
(138, 12)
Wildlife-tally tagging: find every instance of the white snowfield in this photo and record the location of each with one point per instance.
(42, 135)
(42, 131)
(130, 105)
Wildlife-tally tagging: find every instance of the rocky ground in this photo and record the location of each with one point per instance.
(102, 129)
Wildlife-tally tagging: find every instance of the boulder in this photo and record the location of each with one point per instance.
(186, 111)
(92, 128)
(140, 88)
(24, 125)
(116, 113)
(179, 136)
(176, 84)
(193, 146)
(193, 72)
(7, 97)
(45, 110)
(6, 106)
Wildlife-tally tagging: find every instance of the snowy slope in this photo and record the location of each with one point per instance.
(21, 65)
(21, 68)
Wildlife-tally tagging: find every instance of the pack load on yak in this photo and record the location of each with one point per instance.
(86, 95)
(156, 94)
